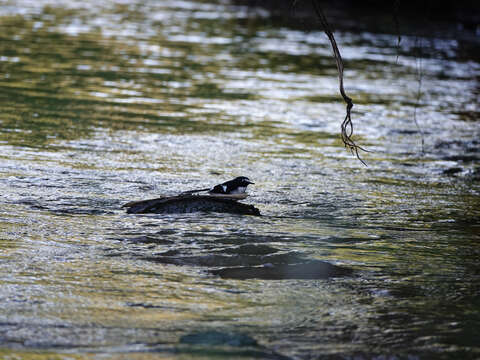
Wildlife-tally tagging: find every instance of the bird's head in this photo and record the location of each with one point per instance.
(243, 181)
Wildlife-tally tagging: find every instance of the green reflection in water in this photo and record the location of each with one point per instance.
(60, 87)
(122, 103)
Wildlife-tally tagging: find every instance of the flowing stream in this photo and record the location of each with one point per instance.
(105, 102)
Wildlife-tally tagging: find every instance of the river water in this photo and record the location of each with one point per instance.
(104, 102)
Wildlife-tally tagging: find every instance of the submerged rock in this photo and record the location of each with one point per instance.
(314, 269)
(189, 203)
(218, 338)
(452, 171)
(223, 260)
(214, 344)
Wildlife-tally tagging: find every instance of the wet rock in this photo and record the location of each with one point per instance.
(462, 158)
(474, 175)
(459, 150)
(148, 306)
(172, 252)
(216, 260)
(314, 269)
(404, 131)
(216, 338)
(452, 171)
(192, 203)
(250, 249)
(214, 344)
(34, 204)
(449, 144)
(145, 239)
(470, 116)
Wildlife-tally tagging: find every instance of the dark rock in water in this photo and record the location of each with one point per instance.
(452, 171)
(215, 338)
(223, 260)
(145, 239)
(462, 158)
(192, 203)
(224, 345)
(475, 174)
(314, 269)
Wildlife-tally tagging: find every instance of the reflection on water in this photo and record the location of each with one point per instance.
(107, 102)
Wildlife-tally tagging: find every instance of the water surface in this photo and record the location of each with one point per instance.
(107, 102)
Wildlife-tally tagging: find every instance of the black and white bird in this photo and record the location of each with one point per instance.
(235, 186)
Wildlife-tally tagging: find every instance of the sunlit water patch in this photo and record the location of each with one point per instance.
(108, 102)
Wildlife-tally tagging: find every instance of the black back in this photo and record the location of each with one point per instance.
(232, 186)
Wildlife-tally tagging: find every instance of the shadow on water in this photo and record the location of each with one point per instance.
(242, 259)
(106, 103)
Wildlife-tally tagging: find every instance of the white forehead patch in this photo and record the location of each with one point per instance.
(224, 187)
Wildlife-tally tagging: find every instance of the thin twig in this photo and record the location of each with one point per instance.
(396, 9)
(419, 94)
(347, 124)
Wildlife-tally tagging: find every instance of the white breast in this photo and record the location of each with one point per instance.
(239, 190)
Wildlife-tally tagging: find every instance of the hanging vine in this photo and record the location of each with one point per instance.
(347, 124)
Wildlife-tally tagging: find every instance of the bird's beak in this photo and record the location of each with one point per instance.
(250, 182)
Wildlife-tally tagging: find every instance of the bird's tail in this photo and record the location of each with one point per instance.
(194, 191)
